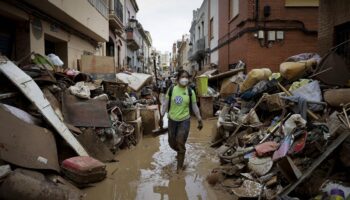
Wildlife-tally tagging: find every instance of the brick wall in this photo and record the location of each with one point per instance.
(332, 13)
(248, 49)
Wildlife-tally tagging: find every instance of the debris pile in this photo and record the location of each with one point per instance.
(59, 123)
(283, 135)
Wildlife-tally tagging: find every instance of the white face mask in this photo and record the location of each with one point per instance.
(183, 81)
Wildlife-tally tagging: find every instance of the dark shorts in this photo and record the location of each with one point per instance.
(178, 134)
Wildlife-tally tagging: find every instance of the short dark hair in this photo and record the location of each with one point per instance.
(181, 72)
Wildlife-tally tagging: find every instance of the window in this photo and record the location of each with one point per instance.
(342, 34)
(199, 32)
(234, 8)
(211, 29)
(202, 29)
(101, 6)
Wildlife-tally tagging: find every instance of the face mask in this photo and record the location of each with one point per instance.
(183, 81)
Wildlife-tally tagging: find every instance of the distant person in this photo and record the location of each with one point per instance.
(179, 99)
(168, 82)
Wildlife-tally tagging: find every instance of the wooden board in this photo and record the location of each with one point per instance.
(206, 107)
(97, 64)
(150, 119)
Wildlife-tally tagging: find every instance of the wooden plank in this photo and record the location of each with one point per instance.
(226, 74)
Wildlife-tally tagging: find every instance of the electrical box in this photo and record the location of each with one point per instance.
(280, 35)
(261, 34)
(271, 36)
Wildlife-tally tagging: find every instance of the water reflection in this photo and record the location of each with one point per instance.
(148, 172)
(174, 190)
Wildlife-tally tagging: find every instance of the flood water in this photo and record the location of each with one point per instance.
(148, 171)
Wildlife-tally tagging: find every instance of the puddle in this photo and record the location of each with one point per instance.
(149, 171)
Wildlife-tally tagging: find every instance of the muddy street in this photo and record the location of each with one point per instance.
(149, 171)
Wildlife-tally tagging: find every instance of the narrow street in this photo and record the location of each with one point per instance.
(149, 171)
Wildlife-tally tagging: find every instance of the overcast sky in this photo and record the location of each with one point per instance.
(167, 20)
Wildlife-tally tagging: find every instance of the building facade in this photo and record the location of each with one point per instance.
(54, 26)
(334, 22)
(182, 52)
(198, 53)
(263, 33)
(116, 45)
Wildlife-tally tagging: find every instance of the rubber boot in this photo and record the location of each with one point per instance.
(180, 162)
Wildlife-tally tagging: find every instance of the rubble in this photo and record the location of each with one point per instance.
(51, 115)
(274, 131)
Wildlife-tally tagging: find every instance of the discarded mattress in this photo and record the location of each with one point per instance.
(135, 80)
(31, 90)
(26, 145)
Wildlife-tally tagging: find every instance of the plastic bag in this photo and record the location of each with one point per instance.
(80, 90)
(254, 76)
(310, 92)
(55, 60)
(292, 122)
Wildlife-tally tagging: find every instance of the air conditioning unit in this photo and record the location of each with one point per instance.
(280, 35)
(271, 36)
(261, 34)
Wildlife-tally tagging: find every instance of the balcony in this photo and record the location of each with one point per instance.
(116, 16)
(131, 39)
(88, 17)
(197, 52)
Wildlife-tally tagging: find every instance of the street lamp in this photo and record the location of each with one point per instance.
(133, 22)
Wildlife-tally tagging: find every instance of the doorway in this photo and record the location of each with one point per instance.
(57, 47)
(110, 47)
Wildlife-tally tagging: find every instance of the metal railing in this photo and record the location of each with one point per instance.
(101, 6)
(200, 44)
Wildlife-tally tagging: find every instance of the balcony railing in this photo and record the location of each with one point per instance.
(101, 6)
(132, 39)
(197, 50)
(200, 44)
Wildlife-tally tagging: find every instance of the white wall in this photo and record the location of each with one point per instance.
(214, 14)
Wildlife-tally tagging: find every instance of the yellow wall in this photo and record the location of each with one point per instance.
(75, 45)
